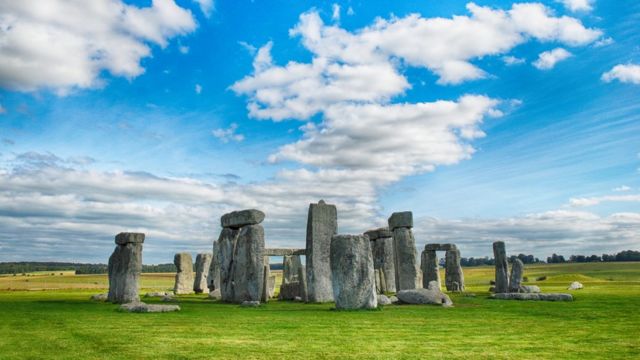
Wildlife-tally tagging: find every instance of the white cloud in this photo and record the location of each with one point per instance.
(183, 49)
(206, 6)
(335, 12)
(622, 188)
(548, 59)
(604, 42)
(629, 73)
(67, 43)
(250, 48)
(596, 200)
(512, 60)
(229, 134)
(577, 5)
(198, 89)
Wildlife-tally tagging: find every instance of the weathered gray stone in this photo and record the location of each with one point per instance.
(157, 294)
(226, 244)
(238, 219)
(575, 286)
(529, 289)
(401, 219)
(125, 266)
(383, 300)
(215, 294)
(352, 273)
(100, 297)
(272, 285)
(213, 278)
(433, 285)
(533, 296)
(264, 296)
(290, 287)
(502, 272)
(424, 296)
(517, 271)
(168, 298)
(430, 268)
(379, 233)
(247, 267)
(203, 263)
(250, 303)
(406, 271)
(284, 252)
(454, 278)
(378, 280)
(322, 224)
(184, 275)
(140, 307)
(440, 247)
(384, 260)
(394, 299)
(302, 279)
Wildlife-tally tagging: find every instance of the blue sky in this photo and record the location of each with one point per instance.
(493, 120)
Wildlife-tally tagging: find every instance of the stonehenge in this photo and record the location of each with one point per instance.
(203, 264)
(322, 224)
(454, 278)
(404, 248)
(125, 266)
(240, 255)
(502, 274)
(381, 241)
(184, 275)
(515, 280)
(352, 276)
(430, 268)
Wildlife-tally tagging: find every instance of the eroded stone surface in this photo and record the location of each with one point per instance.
(533, 296)
(502, 271)
(384, 260)
(129, 238)
(322, 224)
(203, 263)
(125, 266)
(515, 280)
(248, 264)
(213, 278)
(352, 272)
(238, 219)
(530, 289)
(424, 296)
(406, 270)
(184, 274)
(383, 300)
(454, 278)
(430, 268)
(575, 286)
(100, 297)
(140, 307)
(379, 233)
(401, 219)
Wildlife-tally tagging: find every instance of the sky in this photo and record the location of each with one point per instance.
(489, 120)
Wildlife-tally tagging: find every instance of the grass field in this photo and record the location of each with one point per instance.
(60, 322)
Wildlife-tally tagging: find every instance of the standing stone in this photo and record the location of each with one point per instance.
(264, 297)
(184, 276)
(430, 269)
(322, 224)
(406, 270)
(125, 266)
(247, 267)
(226, 245)
(213, 278)
(383, 257)
(517, 271)
(302, 278)
(502, 272)
(203, 263)
(453, 276)
(291, 284)
(352, 273)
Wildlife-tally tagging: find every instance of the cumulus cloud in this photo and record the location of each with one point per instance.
(577, 5)
(629, 73)
(70, 42)
(512, 60)
(229, 134)
(206, 6)
(548, 59)
(344, 62)
(335, 12)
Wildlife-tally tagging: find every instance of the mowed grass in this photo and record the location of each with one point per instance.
(602, 322)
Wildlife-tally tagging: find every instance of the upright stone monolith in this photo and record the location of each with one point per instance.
(352, 273)
(291, 284)
(213, 278)
(517, 271)
(184, 275)
(502, 272)
(404, 246)
(203, 263)
(322, 224)
(430, 269)
(125, 266)
(453, 276)
(240, 249)
(383, 257)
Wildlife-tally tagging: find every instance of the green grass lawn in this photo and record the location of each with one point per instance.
(602, 322)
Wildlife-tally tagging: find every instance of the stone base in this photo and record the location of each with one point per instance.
(533, 296)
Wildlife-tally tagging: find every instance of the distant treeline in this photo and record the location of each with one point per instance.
(627, 255)
(527, 259)
(28, 266)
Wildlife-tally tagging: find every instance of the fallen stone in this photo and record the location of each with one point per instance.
(203, 263)
(250, 304)
(492, 289)
(502, 271)
(238, 219)
(575, 286)
(515, 280)
(125, 266)
(140, 307)
(100, 297)
(394, 299)
(530, 289)
(424, 296)
(215, 295)
(184, 274)
(322, 224)
(352, 274)
(157, 294)
(168, 298)
(533, 296)
(383, 300)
